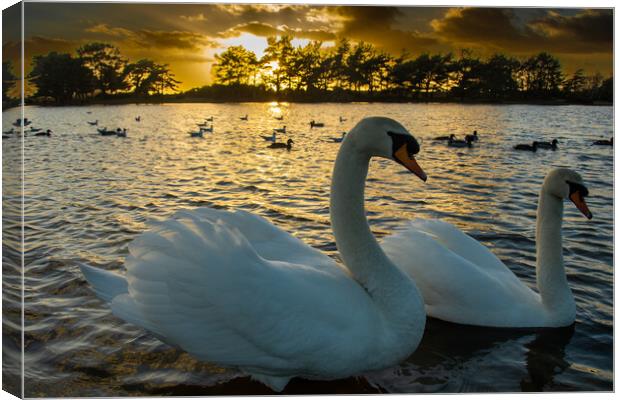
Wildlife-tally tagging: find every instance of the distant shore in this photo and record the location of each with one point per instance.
(181, 99)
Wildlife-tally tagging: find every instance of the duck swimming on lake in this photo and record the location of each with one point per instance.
(46, 133)
(452, 142)
(314, 124)
(280, 130)
(340, 139)
(271, 138)
(452, 136)
(463, 282)
(553, 145)
(527, 147)
(604, 142)
(93, 123)
(279, 145)
(244, 118)
(473, 137)
(232, 289)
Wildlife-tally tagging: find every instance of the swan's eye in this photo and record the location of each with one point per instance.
(577, 187)
(400, 139)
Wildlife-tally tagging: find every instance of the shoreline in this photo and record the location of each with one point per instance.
(176, 100)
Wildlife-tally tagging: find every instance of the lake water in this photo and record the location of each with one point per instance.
(87, 196)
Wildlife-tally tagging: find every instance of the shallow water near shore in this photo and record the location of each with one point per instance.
(87, 196)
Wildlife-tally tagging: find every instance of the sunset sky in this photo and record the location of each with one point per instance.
(187, 36)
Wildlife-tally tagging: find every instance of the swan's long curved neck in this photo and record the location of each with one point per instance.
(392, 291)
(550, 274)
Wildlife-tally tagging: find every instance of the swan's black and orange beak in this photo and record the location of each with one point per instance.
(403, 157)
(580, 202)
(577, 195)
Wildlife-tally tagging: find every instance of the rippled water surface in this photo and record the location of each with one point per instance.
(88, 196)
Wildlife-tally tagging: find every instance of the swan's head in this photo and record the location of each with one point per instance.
(386, 138)
(568, 184)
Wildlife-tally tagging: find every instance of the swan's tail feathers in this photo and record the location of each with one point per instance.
(275, 383)
(107, 285)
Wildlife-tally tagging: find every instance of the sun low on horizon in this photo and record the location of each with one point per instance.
(187, 37)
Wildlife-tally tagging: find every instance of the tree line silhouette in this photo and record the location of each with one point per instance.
(360, 71)
(96, 71)
(345, 72)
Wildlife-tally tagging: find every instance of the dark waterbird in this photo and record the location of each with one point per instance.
(553, 145)
(46, 133)
(452, 136)
(527, 147)
(473, 137)
(280, 118)
(604, 142)
(19, 120)
(105, 132)
(279, 145)
(339, 139)
(93, 123)
(467, 142)
(244, 118)
(138, 118)
(314, 124)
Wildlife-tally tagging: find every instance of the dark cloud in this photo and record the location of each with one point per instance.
(37, 45)
(376, 25)
(146, 38)
(497, 29)
(588, 29)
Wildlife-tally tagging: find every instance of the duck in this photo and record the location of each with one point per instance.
(138, 118)
(342, 119)
(553, 145)
(314, 124)
(339, 139)
(244, 118)
(105, 132)
(452, 136)
(463, 282)
(467, 142)
(210, 119)
(242, 293)
(604, 142)
(280, 118)
(527, 147)
(46, 133)
(93, 123)
(122, 133)
(209, 129)
(278, 145)
(271, 138)
(199, 133)
(18, 122)
(473, 137)
(280, 130)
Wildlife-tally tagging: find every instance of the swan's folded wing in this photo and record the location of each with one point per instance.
(459, 242)
(269, 241)
(200, 285)
(454, 288)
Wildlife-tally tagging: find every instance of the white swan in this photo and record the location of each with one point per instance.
(463, 282)
(233, 289)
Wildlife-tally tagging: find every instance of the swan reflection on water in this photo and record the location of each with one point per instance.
(454, 358)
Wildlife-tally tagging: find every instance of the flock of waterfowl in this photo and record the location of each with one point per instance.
(469, 140)
(231, 288)
(204, 127)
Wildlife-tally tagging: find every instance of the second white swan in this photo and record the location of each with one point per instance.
(463, 282)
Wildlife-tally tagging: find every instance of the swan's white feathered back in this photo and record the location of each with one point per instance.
(198, 282)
